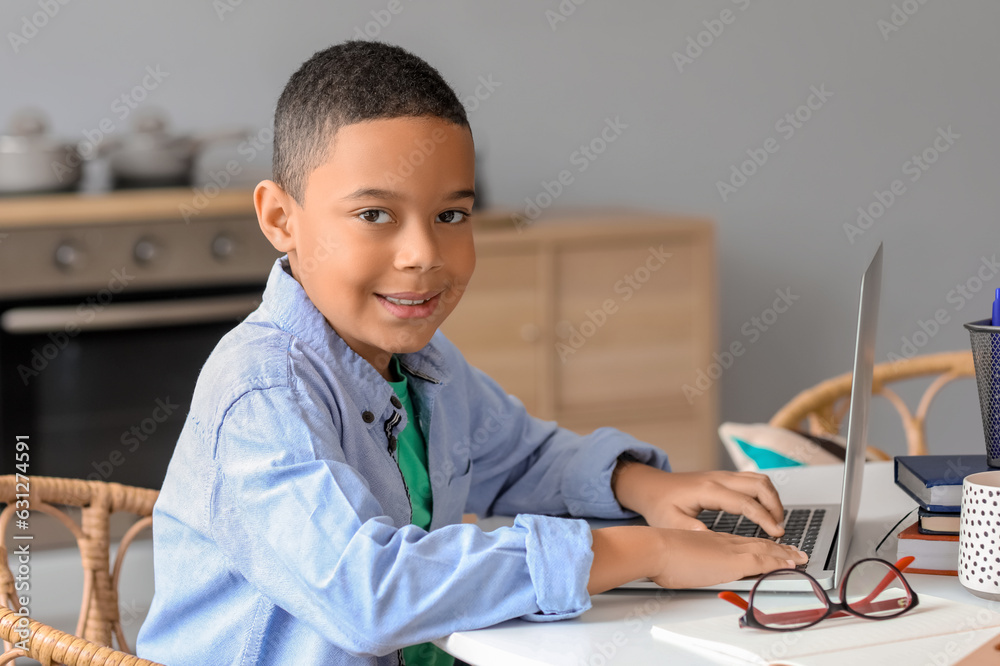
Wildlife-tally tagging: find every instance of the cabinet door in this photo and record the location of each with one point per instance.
(629, 325)
(497, 323)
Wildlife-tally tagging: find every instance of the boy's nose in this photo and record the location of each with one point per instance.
(418, 249)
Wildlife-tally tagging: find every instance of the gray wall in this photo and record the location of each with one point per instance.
(687, 127)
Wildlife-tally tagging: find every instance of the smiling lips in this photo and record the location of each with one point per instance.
(410, 305)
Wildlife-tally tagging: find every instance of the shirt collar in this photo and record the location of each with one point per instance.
(285, 302)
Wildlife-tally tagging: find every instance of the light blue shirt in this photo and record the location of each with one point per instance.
(282, 533)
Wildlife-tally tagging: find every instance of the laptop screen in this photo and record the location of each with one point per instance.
(857, 423)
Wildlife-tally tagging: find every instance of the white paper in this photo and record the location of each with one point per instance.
(931, 625)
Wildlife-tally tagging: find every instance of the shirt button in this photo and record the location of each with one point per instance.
(367, 416)
(395, 402)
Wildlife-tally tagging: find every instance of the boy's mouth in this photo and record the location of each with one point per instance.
(410, 305)
(403, 301)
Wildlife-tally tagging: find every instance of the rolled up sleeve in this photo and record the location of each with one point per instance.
(559, 554)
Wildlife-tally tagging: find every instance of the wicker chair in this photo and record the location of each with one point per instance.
(825, 404)
(99, 615)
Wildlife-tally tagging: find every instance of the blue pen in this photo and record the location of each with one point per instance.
(993, 430)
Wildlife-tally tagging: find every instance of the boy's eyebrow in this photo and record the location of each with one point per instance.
(378, 193)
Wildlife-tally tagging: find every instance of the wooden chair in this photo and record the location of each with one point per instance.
(824, 406)
(99, 615)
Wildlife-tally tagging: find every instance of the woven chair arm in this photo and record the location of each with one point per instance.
(78, 492)
(51, 646)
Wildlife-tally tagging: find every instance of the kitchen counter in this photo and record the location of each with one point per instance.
(123, 206)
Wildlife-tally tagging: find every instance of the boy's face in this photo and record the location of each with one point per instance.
(382, 244)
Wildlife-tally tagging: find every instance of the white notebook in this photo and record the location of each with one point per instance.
(938, 631)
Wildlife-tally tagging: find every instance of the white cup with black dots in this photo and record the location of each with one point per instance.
(979, 535)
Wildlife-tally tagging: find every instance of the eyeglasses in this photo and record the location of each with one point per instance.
(872, 589)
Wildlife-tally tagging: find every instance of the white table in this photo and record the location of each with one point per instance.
(617, 629)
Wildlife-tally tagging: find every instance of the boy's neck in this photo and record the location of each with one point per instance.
(392, 372)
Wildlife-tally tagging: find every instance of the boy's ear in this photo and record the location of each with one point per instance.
(274, 212)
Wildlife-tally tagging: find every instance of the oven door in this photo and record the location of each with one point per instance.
(102, 390)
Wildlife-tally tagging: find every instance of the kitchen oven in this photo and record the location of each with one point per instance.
(108, 309)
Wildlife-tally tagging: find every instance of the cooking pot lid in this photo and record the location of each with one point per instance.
(27, 131)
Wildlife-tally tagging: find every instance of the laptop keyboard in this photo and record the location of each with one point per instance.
(801, 527)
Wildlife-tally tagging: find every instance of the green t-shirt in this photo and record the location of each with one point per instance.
(411, 455)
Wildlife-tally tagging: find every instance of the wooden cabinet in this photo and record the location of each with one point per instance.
(597, 319)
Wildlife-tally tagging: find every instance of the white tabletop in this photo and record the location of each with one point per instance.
(617, 629)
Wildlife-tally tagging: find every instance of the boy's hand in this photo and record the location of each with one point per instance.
(694, 559)
(677, 558)
(674, 499)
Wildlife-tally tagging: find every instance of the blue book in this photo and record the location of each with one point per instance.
(935, 482)
(938, 522)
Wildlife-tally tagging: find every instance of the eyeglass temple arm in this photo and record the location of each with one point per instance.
(738, 601)
(734, 599)
(901, 564)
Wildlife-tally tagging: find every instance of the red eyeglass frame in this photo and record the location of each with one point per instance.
(838, 609)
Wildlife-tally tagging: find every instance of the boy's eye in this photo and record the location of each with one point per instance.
(373, 216)
(452, 216)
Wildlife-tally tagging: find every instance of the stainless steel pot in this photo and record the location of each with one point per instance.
(150, 156)
(31, 161)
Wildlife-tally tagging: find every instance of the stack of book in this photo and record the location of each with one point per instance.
(935, 482)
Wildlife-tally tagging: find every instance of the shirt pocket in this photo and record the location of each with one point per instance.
(455, 493)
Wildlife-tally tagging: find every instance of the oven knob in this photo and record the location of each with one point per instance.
(145, 250)
(223, 246)
(68, 256)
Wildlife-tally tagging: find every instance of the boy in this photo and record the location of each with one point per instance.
(311, 511)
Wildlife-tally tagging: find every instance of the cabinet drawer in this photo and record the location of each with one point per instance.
(627, 323)
(496, 324)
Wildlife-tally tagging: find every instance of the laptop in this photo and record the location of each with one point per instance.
(823, 530)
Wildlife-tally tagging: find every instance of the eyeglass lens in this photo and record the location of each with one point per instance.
(872, 589)
(789, 610)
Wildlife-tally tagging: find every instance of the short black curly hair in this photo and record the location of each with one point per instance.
(349, 83)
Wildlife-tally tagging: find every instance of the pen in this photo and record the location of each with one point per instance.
(996, 309)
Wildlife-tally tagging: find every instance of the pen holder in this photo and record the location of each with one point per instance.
(986, 358)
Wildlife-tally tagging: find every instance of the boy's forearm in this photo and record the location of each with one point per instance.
(635, 485)
(622, 554)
